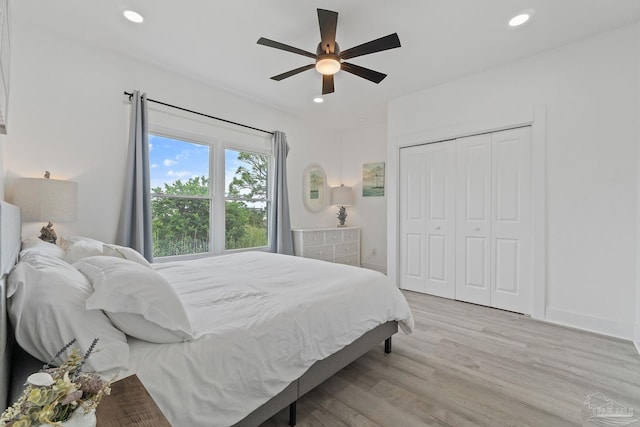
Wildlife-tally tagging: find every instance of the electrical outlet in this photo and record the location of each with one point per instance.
(374, 251)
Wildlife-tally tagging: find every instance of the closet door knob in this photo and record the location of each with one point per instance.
(477, 229)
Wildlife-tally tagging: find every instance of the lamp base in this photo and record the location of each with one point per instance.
(342, 216)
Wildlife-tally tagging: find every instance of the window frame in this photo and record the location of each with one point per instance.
(217, 191)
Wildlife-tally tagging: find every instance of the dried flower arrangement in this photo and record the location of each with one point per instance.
(53, 394)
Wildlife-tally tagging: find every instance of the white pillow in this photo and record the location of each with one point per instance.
(66, 242)
(36, 245)
(46, 305)
(126, 253)
(137, 299)
(78, 247)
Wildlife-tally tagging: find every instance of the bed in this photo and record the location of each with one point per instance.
(250, 334)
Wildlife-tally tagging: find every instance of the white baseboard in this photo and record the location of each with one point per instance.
(614, 328)
(636, 337)
(377, 267)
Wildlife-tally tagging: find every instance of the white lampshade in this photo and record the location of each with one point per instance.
(42, 199)
(341, 196)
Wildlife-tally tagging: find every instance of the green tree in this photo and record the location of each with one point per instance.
(180, 224)
(180, 221)
(246, 224)
(250, 181)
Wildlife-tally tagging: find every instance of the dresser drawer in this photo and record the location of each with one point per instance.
(313, 238)
(349, 260)
(333, 236)
(324, 252)
(346, 249)
(351, 235)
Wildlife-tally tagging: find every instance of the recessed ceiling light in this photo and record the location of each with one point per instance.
(521, 18)
(318, 100)
(133, 16)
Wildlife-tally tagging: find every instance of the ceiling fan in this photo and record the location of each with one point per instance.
(329, 58)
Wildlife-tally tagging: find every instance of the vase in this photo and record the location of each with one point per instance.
(78, 419)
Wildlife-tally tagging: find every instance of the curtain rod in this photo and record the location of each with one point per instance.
(129, 94)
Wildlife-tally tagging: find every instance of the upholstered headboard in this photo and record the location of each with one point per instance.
(10, 241)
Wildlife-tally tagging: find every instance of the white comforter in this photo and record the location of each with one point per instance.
(264, 319)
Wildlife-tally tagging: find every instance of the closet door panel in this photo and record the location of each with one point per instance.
(413, 218)
(414, 257)
(512, 288)
(473, 219)
(440, 226)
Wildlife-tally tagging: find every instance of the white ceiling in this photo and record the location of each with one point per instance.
(215, 42)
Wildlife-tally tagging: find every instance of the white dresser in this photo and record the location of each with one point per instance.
(340, 245)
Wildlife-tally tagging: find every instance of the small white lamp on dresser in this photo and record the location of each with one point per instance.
(340, 244)
(341, 196)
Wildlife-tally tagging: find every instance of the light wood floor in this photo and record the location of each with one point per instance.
(466, 365)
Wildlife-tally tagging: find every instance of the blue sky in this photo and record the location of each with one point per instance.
(172, 159)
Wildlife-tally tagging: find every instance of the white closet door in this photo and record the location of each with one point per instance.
(473, 224)
(412, 218)
(511, 273)
(441, 220)
(427, 219)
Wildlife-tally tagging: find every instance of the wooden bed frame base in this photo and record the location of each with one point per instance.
(318, 373)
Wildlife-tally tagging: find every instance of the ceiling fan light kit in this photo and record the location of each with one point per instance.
(327, 66)
(329, 59)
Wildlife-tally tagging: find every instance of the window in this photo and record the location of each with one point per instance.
(180, 196)
(187, 217)
(246, 214)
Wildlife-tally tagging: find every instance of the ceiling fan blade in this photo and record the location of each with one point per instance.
(282, 46)
(365, 73)
(378, 45)
(293, 72)
(328, 22)
(327, 84)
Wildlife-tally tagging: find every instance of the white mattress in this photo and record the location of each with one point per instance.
(264, 319)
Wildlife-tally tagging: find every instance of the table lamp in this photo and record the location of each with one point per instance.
(341, 196)
(45, 199)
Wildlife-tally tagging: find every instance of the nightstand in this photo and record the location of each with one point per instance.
(129, 404)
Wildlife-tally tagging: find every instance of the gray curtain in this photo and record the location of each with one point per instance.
(279, 222)
(134, 228)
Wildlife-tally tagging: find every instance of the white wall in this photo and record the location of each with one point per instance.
(359, 147)
(3, 143)
(69, 116)
(636, 328)
(590, 90)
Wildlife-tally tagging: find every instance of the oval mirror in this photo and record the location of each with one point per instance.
(314, 188)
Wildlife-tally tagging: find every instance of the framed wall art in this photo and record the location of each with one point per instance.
(373, 179)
